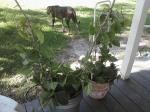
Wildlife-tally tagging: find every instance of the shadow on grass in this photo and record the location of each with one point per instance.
(55, 41)
(10, 60)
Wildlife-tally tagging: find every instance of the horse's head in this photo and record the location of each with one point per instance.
(51, 9)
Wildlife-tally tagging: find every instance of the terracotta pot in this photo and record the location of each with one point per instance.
(99, 91)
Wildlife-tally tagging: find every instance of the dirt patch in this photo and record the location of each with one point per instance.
(16, 87)
(79, 46)
(76, 48)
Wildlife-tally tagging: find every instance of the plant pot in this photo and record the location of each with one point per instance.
(72, 106)
(99, 90)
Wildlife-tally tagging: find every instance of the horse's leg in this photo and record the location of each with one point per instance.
(74, 19)
(63, 28)
(67, 22)
(53, 21)
(77, 26)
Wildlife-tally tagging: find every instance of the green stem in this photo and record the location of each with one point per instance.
(29, 24)
(102, 25)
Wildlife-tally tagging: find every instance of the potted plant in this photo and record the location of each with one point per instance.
(99, 78)
(100, 70)
(61, 87)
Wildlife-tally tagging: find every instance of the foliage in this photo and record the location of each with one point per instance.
(102, 69)
(58, 81)
(15, 50)
(14, 41)
(54, 40)
(101, 73)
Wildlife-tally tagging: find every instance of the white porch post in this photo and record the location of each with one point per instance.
(134, 36)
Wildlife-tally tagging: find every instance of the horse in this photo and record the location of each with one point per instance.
(63, 13)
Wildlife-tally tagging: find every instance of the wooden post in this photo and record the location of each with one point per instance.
(136, 30)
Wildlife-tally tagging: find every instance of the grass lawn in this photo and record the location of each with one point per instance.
(55, 40)
(11, 42)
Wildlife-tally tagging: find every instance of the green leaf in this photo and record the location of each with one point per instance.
(92, 29)
(22, 55)
(116, 42)
(62, 97)
(47, 52)
(116, 26)
(50, 85)
(53, 85)
(76, 86)
(40, 36)
(88, 88)
(64, 82)
(25, 62)
(23, 35)
(44, 97)
(100, 79)
(51, 105)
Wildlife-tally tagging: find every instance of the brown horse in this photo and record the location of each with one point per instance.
(67, 13)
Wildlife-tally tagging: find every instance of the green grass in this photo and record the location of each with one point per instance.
(10, 41)
(10, 60)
